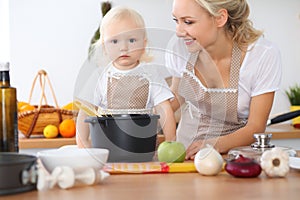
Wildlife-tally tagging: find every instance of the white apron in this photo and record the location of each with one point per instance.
(209, 112)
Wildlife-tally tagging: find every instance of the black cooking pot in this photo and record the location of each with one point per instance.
(128, 137)
(17, 173)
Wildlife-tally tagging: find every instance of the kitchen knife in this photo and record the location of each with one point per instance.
(283, 117)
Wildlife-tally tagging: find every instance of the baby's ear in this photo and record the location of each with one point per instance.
(222, 18)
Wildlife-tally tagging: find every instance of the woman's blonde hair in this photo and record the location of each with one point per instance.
(123, 13)
(238, 25)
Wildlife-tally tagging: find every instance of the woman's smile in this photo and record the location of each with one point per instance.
(188, 41)
(124, 56)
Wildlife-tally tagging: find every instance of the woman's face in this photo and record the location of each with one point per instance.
(194, 25)
(124, 43)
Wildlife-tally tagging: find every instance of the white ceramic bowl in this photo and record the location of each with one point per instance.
(294, 162)
(76, 158)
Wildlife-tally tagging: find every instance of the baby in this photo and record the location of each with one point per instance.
(129, 84)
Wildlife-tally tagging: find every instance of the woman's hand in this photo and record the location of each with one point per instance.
(193, 149)
(199, 144)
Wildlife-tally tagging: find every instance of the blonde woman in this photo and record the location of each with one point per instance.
(229, 82)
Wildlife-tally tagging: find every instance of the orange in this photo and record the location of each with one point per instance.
(67, 128)
(50, 131)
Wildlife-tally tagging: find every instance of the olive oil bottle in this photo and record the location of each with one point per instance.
(8, 112)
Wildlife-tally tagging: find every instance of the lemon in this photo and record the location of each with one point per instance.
(50, 131)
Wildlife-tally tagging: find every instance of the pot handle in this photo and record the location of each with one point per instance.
(91, 120)
(94, 120)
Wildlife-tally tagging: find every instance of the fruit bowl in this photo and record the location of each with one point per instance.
(77, 158)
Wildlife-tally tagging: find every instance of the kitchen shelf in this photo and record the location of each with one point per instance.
(44, 143)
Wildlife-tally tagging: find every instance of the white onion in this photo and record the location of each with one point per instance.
(208, 161)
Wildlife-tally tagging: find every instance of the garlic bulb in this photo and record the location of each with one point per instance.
(275, 162)
(208, 161)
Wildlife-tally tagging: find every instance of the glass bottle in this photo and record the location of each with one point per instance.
(8, 112)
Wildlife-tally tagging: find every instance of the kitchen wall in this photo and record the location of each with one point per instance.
(54, 35)
(4, 30)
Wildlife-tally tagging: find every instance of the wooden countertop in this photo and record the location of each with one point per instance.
(283, 131)
(177, 186)
(279, 131)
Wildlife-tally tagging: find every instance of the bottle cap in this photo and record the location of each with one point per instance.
(4, 66)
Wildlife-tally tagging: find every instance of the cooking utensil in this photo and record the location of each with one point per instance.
(17, 172)
(263, 141)
(66, 177)
(21, 172)
(76, 158)
(128, 137)
(283, 117)
(255, 150)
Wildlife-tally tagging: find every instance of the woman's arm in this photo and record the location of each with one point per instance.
(167, 120)
(260, 108)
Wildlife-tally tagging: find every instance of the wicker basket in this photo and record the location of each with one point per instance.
(33, 122)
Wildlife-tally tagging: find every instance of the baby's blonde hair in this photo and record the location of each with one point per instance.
(238, 25)
(123, 13)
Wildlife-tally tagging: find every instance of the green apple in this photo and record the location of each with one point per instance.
(171, 152)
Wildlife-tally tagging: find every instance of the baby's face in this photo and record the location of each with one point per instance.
(124, 43)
